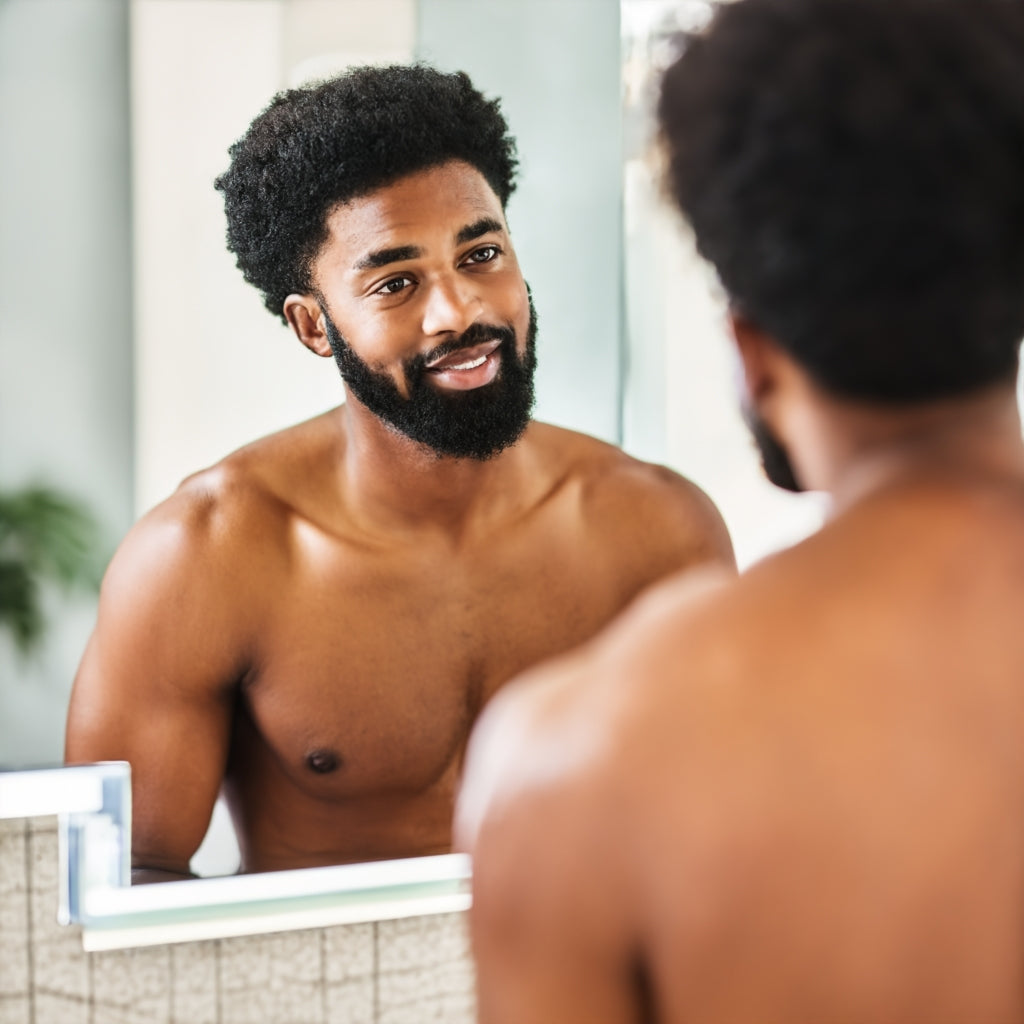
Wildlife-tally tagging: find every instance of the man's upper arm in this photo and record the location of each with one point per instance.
(552, 938)
(155, 686)
(694, 521)
(657, 522)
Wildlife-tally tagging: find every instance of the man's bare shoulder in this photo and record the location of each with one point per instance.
(290, 467)
(634, 503)
(231, 520)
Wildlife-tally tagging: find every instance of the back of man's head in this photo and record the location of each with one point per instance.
(854, 169)
(324, 144)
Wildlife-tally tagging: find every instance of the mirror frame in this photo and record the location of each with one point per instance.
(93, 807)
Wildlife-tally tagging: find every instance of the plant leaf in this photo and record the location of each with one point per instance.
(19, 605)
(52, 535)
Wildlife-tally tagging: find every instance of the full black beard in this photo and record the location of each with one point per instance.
(774, 458)
(476, 424)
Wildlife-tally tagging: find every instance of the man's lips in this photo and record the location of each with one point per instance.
(465, 358)
(466, 369)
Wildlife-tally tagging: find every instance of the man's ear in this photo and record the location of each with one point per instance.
(306, 319)
(757, 352)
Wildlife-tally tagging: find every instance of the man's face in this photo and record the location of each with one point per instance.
(427, 314)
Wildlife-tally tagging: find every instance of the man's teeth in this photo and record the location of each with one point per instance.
(471, 365)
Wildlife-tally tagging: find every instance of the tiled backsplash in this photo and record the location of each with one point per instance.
(409, 971)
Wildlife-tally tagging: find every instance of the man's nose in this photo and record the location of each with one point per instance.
(452, 306)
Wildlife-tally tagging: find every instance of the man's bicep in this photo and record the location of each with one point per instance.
(551, 936)
(154, 691)
(548, 944)
(176, 742)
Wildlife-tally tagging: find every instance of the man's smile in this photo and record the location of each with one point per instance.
(468, 368)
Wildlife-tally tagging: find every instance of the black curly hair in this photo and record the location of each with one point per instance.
(321, 145)
(854, 169)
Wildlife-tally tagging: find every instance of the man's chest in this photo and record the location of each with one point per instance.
(383, 668)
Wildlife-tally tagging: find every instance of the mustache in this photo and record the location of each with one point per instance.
(475, 334)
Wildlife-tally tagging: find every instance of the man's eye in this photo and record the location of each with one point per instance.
(484, 254)
(394, 286)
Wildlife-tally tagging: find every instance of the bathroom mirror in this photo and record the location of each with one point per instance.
(133, 353)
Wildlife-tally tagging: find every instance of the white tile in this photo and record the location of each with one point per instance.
(280, 1003)
(102, 1014)
(14, 972)
(14, 979)
(276, 978)
(12, 862)
(351, 1002)
(348, 952)
(194, 983)
(59, 965)
(442, 993)
(55, 1009)
(14, 1010)
(415, 942)
(58, 962)
(425, 971)
(135, 980)
(262, 960)
(42, 864)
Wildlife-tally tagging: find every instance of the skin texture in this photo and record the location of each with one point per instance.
(790, 796)
(337, 597)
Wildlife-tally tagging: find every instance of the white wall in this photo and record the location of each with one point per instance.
(65, 310)
(681, 382)
(215, 369)
(682, 394)
(555, 66)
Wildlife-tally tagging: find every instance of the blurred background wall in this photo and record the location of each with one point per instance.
(66, 354)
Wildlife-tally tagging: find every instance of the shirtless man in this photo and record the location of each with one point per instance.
(797, 795)
(315, 622)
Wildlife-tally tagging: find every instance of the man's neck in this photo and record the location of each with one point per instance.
(394, 484)
(974, 439)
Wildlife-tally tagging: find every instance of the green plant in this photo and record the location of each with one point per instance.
(44, 535)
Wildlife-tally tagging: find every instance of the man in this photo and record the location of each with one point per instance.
(796, 796)
(314, 623)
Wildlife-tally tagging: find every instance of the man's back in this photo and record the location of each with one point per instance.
(804, 805)
(797, 796)
(864, 848)
(260, 626)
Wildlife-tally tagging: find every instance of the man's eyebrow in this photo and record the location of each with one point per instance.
(382, 257)
(480, 227)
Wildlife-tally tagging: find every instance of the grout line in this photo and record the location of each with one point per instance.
(170, 985)
(217, 980)
(29, 927)
(323, 973)
(376, 971)
(90, 982)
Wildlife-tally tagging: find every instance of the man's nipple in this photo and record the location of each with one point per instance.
(322, 761)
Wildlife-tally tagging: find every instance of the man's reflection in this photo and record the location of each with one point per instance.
(315, 622)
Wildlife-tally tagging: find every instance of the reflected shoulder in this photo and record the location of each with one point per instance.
(253, 490)
(641, 505)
